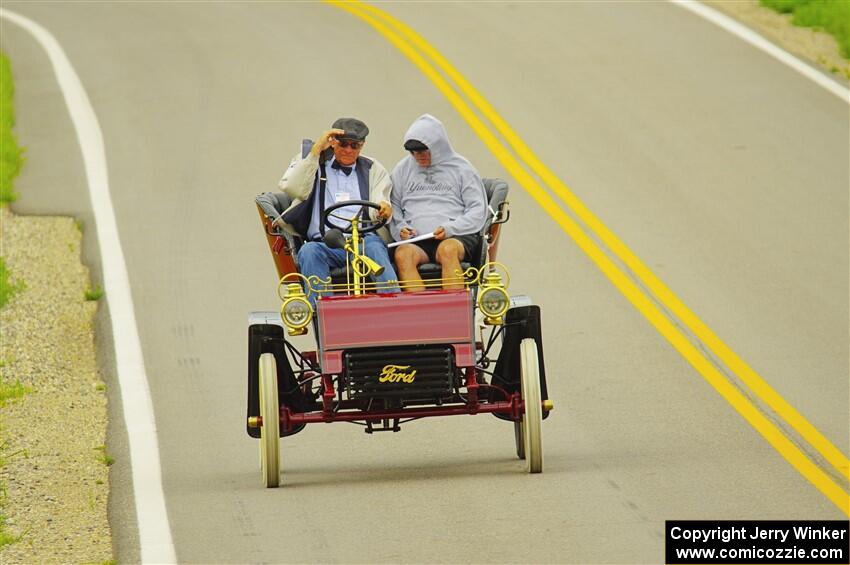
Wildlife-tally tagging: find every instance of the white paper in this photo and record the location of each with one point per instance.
(422, 237)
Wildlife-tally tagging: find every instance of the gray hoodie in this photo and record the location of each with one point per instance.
(447, 193)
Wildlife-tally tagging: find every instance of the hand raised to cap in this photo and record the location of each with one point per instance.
(326, 140)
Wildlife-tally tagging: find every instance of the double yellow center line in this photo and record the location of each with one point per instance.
(522, 160)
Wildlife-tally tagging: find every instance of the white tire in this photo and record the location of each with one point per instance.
(532, 419)
(270, 430)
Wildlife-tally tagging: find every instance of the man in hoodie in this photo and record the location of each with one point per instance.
(334, 168)
(435, 191)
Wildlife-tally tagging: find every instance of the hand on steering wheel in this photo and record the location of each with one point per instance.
(366, 225)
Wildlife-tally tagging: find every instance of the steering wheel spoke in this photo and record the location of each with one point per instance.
(339, 216)
(366, 224)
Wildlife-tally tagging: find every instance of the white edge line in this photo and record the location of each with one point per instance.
(154, 532)
(760, 42)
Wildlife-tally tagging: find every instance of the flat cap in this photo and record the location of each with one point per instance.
(354, 128)
(415, 145)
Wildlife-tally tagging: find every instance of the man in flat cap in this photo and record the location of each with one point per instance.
(334, 167)
(436, 191)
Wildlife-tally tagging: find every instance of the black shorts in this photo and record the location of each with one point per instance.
(471, 245)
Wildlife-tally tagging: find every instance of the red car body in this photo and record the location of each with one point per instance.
(371, 320)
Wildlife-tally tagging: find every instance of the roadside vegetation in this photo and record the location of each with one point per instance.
(832, 16)
(103, 457)
(8, 392)
(8, 288)
(95, 293)
(10, 164)
(53, 501)
(11, 156)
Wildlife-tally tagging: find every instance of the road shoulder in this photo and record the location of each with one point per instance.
(816, 47)
(57, 470)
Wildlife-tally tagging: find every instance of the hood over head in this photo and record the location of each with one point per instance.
(448, 193)
(430, 131)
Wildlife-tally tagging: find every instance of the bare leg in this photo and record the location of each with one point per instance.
(449, 254)
(407, 258)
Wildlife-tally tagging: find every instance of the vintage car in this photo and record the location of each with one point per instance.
(385, 359)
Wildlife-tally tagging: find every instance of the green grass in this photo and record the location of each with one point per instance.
(11, 392)
(95, 293)
(11, 159)
(5, 538)
(103, 457)
(8, 288)
(832, 16)
(11, 156)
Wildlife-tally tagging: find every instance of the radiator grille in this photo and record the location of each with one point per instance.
(418, 372)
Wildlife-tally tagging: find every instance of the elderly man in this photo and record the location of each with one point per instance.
(334, 171)
(436, 191)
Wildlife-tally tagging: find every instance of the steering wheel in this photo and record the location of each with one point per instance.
(368, 225)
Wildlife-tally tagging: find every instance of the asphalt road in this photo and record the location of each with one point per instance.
(726, 172)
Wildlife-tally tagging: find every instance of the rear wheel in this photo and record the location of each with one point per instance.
(270, 430)
(532, 419)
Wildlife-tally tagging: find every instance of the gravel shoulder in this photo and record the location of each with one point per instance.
(817, 47)
(56, 477)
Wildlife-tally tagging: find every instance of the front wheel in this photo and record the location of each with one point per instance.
(270, 429)
(532, 419)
